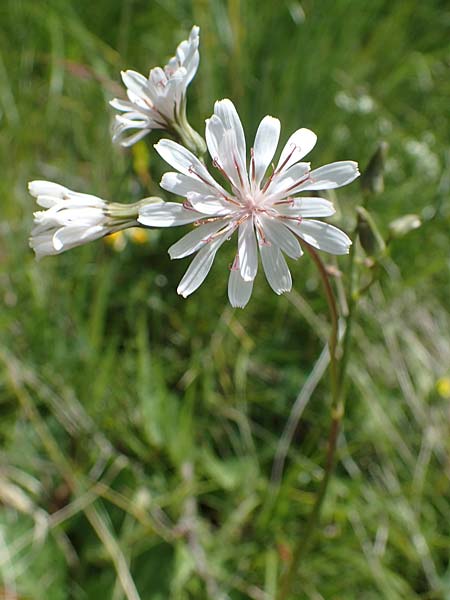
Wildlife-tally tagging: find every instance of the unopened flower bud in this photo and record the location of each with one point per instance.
(372, 180)
(368, 233)
(403, 225)
(72, 219)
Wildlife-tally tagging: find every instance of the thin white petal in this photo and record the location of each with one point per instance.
(288, 181)
(122, 105)
(199, 268)
(307, 207)
(322, 236)
(167, 214)
(133, 139)
(182, 185)
(266, 142)
(74, 235)
(183, 160)
(235, 169)
(239, 291)
(43, 246)
(280, 236)
(51, 194)
(46, 188)
(209, 205)
(227, 113)
(332, 176)
(298, 145)
(134, 81)
(248, 251)
(194, 240)
(276, 269)
(214, 133)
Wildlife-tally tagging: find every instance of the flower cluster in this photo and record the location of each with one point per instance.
(159, 101)
(259, 201)
(265, 211)
(72, 219)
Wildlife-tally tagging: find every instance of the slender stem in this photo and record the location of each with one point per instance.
(332, 307)
(337, 412)
(349, 320)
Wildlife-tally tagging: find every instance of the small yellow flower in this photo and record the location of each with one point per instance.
(138, 235)
(116, 240)
(443, 387)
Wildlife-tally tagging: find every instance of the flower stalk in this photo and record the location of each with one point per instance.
(337, 378)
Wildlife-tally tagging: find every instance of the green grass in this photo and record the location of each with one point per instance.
(138, 430)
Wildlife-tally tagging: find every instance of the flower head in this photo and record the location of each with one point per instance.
(263, 208)
(159, 101)
(72, 219)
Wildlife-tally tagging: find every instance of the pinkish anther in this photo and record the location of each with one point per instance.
(252, 165)
(287, 201)
(297, 183)
(288, 158)
(241, 181)
(235, 264)
(263, 241)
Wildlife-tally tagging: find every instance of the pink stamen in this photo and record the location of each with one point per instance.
(221, 169)
(263, 241)
(228, 199)
(297, 183)
(208, 220)
(296, 219)
(238, 171)
(268, 182)
(220, 233)
(288, 158)
(235, 264)
(194, 172)
(287, 201)
(252, 165)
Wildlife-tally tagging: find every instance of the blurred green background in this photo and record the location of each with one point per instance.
(139, 430)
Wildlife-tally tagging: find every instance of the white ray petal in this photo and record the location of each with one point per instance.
(298, 145)
(132, 139)
(182, 185)
(214, 133)
(47, 188)
(167, 214)
(43, 245)
(332, 176)
(239, 291)
(266, 142)
(227, 113)
(199, 268)
(183, 160)
(135, 82)
(288, 181)
(122, 105)
(307, 207)
(322, 236)
(194, 240)
(248, 251)
(275, 268)
(209, 205)
(277, 233)
(68, 237)
(235, 169)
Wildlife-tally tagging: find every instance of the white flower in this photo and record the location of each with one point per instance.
(159, 101)
(72, 219)
(265, 211)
